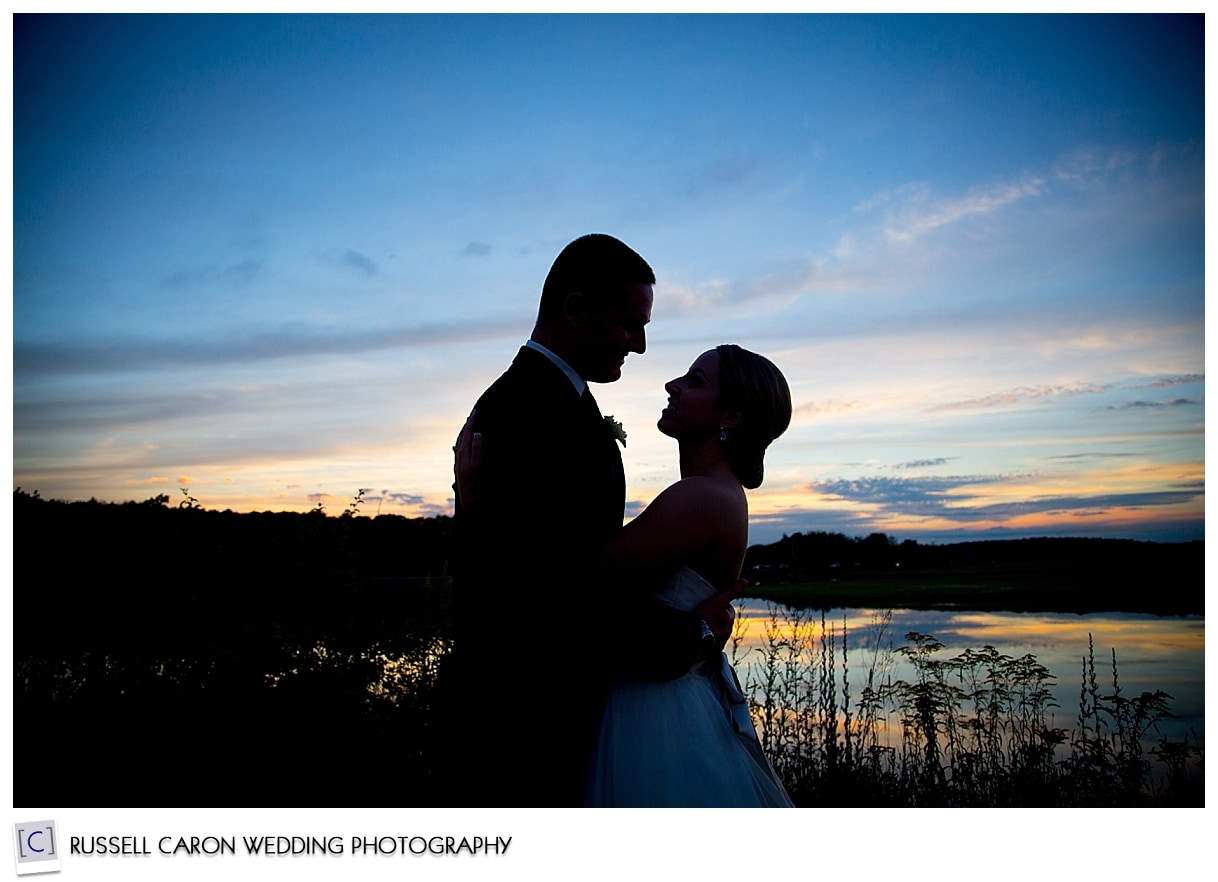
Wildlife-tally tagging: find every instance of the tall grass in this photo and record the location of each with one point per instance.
(968, 730)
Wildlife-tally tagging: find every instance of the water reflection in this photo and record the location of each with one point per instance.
(1152, 652)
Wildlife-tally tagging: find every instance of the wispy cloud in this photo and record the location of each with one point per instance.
(1156, 405)
(951, 499)
(912, 192)
(914, 209)
(721, 173)
(1182, 380)
(919, 217)
(860, 522)
(920, 495)
(1086, 167)
(361, 263)
(107, 355)
(925, 463)
(237, 274)
(117, 409)
(402, 498)
(776, 287)
(476, 249)
(1021, 394)
(349, 259)
(827, 408)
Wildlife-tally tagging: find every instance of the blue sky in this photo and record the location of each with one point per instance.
(275, 259)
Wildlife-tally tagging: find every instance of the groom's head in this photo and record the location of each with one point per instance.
(595, 304)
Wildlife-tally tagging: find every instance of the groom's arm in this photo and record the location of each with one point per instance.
(656, 642)
(661, 643)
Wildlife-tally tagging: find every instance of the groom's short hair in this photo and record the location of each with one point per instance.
(598, 266)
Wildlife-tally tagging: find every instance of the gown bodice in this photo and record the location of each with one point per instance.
(685, 589)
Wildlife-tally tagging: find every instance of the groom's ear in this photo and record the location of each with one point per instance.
(575, 309)
(732, 419)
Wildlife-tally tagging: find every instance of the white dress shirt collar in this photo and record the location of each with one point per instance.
(576, 380)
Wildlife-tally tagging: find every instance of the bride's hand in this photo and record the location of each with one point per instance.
(717, 611)
(467, 458)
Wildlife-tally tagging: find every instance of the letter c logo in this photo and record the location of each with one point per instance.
(29, 841)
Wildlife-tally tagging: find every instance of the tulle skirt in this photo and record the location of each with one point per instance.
(673, 743)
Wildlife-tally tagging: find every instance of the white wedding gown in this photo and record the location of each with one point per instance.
(685, 742)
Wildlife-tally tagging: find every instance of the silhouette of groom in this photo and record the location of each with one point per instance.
(538, 630)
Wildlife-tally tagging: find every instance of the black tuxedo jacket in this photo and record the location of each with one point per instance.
(539, 631)
(551, 491)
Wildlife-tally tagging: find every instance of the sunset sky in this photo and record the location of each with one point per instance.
(275, 259)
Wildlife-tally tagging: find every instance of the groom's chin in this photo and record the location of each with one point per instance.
(610, 373)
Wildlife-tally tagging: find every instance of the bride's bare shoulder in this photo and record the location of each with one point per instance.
(706, 505)
(705, 489)
(682, 523)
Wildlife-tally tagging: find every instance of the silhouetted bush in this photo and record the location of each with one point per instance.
(215, 656)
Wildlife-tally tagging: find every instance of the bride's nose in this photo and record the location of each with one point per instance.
(671, 387)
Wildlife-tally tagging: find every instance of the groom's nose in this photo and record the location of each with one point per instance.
(638, 341)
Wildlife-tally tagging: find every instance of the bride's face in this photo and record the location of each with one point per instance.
(693, 400)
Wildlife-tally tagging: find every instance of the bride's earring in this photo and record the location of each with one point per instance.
(722, 434)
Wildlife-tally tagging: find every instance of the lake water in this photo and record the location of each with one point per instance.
(1152, 652)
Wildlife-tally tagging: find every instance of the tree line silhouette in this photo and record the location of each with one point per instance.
(1059, 574)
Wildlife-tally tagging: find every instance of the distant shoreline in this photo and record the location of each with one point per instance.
(997, 591)
(263, 552)
(1063, 575)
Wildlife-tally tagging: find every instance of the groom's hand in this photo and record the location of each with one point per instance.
(467, 457)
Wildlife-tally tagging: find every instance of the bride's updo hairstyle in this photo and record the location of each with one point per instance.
(752, 386)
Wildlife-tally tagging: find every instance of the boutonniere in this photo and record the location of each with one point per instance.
(616, 429)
